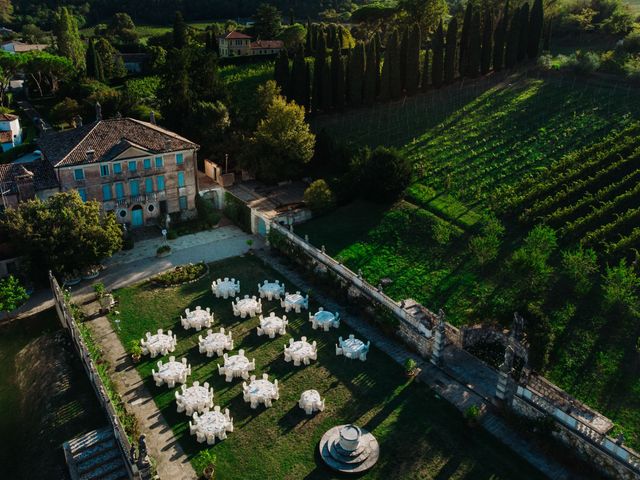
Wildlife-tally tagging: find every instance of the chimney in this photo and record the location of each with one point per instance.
(152, 117)
(79, 121)
(98, 112)
(90, 154)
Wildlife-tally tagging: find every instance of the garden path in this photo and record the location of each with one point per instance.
(468, 383)
(171, 461)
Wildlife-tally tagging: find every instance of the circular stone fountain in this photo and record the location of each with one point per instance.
(349, 449)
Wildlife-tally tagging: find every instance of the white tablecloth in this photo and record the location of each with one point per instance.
(211, 425)
(260, 391)
(171, 373)
(198, 319)
(194, 399)
(225, 288)
(300, 351)
(272, 325)
(271, 290)
(158, 343)
(310, 401)
(215, 343)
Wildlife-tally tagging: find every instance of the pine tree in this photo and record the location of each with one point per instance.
(500, 39)
(535, 28)
(523, 42)
(465, 38)
(318, 74)
(281, 73)
(412, 68)
(450, 51)
(404, 44)
(68, 42)
(487, 42)
(475, 51)
(179, 31)
(513, 35)
(393, 54)
(437, 69)
(356, 75)
(371, 74)
(337, 78)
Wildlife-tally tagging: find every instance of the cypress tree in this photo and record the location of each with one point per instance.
(385, 77)
(371, 75)
(437, 68)
(450, 51)
(475, 51)
(68, 41)
(318, 74)
(487, 42)
(299, 93)
(546, 37)
(404, 45)
(281, 73)
(341, 37)
(500, 39)
(327, 90)
(412, 68)
(309, 39)
(524, 31)
(179, 31)
(337, 78)
(513, 35)
(393, 54)
(424, 84)
(535, 29)
(465, 38)
(378, 49)
(91, 60)
(356, 75)
(307, 86)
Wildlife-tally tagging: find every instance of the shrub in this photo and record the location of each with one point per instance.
(620, 287)
(319, 197)
(579, 265)
(472, 413)
(386, 174)
(172, 234)
(631, 67)
(410, 365)
(583, 62)
(134, 348)
(99, 290)
(181, 274)
(207, 213)
(163, 249)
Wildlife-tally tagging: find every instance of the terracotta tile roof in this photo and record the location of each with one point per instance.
(267, 44)
(7, 117)
(235, 36)
(42, 172)
(6, 136)
(108, 138)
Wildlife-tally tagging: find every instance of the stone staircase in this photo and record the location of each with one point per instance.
(95, 456)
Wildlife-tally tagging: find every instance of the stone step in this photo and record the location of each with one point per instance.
(95, 456)
(88, 439)
(97, 460)
(96, 449)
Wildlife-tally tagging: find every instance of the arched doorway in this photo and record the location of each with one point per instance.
(137, 216)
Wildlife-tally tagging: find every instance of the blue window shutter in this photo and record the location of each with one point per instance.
(148, 185)
(119, 191)
(104, 170)
(83, 194)
(160, 183)
(158, 162)
(134, 186)
(147, 163)
(179, 159)
(117, 168)
(133, 166)
(78, 174)
(106, 192)
(181, 179)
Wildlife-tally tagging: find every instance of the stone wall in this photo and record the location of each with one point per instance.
(478, 334)
(415, 339)
(591, 451)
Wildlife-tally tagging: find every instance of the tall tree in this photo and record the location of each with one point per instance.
(426, 71)
(487, 41)
(337, 77)
(393, 54)
(500, 39)
(94, 63)
(327, 88)
(308, 40)
(523, 41)
(475, 47)
(412, 68)
(68, 40)
(404, 44)
(111, 60)
(450, 51)
(513, 35)
(122, 29)
(465, 38)
(437, 69)
(378, 49)
(180, 34)
(371, 74)
(299, 91)
(535, 28)
(281, 72)
(356, 75)
(6, 11)
(267, 22)
(318, 73)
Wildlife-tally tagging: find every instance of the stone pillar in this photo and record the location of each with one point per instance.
(502, 389)
(439, 340)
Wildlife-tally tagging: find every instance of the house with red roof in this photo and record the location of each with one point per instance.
(236, 44)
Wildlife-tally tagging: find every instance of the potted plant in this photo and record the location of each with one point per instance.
(472, 415)
(72, 278)
(250, 245)
(411, 368)
(135, 350)
(163, 251)
(209, 460)
(99, 290)
(91, 272)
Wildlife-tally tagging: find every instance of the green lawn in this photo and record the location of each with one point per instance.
(420, 435)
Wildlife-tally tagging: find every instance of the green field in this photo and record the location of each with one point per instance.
(421, 436)
(557, 151)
